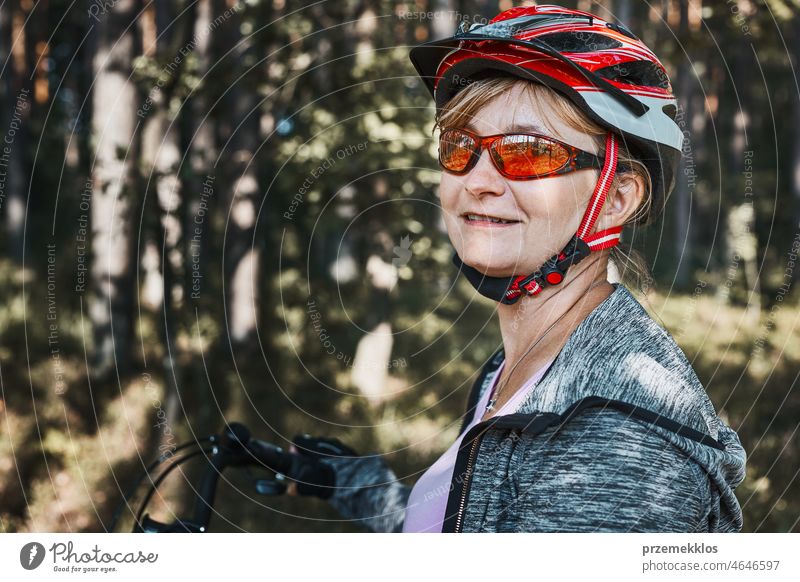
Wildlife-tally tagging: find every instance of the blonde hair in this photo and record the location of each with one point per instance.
(466, 104)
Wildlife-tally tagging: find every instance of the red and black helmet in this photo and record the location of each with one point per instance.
(600, 66)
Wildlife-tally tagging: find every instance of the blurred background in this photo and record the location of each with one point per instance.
(216, 210)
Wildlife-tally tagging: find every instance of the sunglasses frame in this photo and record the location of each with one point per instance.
(578, 159)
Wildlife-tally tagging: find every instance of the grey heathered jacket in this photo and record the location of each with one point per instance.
(619, 435)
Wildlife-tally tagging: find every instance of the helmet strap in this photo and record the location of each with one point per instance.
(509, 290)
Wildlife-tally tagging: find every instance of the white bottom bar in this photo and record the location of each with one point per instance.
(404, 558)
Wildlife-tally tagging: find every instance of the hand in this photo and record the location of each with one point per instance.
(309, 474)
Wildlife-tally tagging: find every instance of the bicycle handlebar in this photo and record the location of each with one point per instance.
(233, 448)
(236, 449)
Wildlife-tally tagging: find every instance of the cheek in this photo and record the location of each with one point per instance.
(554, 208)
(560, 202)
(449, 189)
(578, 196)
(448, 192)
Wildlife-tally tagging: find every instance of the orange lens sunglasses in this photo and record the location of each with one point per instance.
(517, 156)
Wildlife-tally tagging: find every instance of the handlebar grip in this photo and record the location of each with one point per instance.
(271, 456)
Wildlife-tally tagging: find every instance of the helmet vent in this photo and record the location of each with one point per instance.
(578, 42)
(621, 28)
(641, 73)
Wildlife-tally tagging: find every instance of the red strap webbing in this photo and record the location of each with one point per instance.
(601, 188)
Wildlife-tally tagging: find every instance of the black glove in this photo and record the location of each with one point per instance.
(313, 476)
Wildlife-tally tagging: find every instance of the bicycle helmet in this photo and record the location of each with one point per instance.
(601, 67)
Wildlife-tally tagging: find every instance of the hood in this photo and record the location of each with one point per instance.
(625, 356)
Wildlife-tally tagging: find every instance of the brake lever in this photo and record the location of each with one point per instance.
(271, 487)
(268, 487)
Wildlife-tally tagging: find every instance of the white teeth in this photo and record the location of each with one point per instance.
(489, 218)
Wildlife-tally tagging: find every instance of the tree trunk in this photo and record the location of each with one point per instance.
(371, 364)
(114, 197)
(478, 10)
(16, 111)
(623, 12)
(163, 152)
(198, 133)
(199, 183)
(794, 48)
(741, 240)
(682, 196)
(241, 257)
(444, 24)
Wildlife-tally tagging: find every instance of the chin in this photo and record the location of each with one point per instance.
(493, 266)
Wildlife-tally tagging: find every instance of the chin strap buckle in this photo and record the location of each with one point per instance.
(554, 270)
(576, 250)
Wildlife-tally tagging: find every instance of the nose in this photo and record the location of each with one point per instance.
(484, 178)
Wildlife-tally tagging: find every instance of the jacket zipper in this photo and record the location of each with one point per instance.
(467, 476)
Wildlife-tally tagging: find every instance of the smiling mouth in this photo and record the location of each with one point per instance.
(483, 218)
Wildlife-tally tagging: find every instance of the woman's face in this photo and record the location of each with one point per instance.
(545, 212)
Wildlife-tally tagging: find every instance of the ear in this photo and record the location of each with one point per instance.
(622, 201)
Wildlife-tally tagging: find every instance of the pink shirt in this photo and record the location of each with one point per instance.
(428, 500)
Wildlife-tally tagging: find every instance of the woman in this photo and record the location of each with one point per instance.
(556, 130)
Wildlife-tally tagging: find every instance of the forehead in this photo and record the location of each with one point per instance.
(515, 109)
(521, 111)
